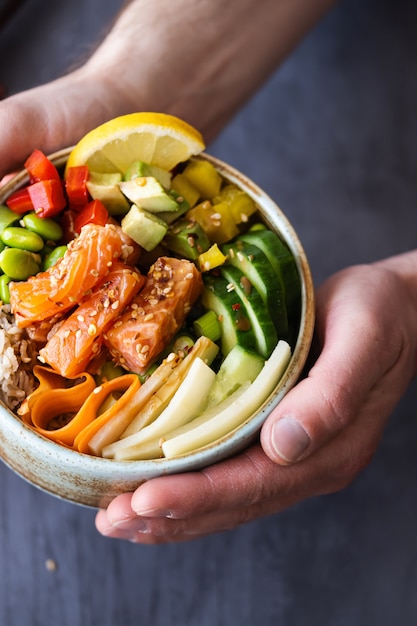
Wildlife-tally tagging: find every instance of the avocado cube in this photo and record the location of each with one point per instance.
(144, 227)
(105, 187)
(147, 192)
(187, 239)
(140, 168)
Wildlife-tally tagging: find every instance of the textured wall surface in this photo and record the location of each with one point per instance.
(332, 137)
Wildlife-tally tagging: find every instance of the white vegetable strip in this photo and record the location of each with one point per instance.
(209, 427)
(206, 350)
(153, 449)
(145, 405)
(186, 404)
(113, 429)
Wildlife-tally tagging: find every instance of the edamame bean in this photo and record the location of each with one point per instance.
(45, 227)
(19, 264)
(53, 256)
(17, 237)
(4, 289)
(7, 217)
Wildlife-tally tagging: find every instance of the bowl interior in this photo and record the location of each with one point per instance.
(94, 481)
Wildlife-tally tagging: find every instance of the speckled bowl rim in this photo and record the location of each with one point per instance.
(94, 481)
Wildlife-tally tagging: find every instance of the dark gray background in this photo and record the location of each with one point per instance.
(333, 138)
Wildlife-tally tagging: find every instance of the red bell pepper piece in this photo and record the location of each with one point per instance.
(76, 187)
(93, 213)
(66, 220)
(40, 167)
(19, 201)
(47, 197)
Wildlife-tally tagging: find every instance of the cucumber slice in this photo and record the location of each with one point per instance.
(231, 312)
(239, 367)
(258, 314)
(284, 266)
(254, 263)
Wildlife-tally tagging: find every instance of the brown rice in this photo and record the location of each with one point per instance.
(18, 355)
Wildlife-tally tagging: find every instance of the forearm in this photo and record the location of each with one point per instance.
(200, 60)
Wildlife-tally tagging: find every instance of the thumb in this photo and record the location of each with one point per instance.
(362, 368)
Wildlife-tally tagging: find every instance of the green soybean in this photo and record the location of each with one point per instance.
(19, 264)
(17, 237)
(53, 256)
(7, 217)
(45, 227)
(4, 289)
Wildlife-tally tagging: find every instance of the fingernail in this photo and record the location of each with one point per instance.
(289, 439)
(136, 524)
(152, 512)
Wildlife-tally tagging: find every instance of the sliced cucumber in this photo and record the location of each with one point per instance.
(284, 265)
(254, 263)
(239, 367)
(231, 313)
(258, 314)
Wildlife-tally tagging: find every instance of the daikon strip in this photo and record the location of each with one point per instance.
(112, 430)
(213, 425)
(186, 404)
(206, 350)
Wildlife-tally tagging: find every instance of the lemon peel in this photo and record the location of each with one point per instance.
(159, 139)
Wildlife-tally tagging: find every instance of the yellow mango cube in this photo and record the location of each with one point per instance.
(204, 177)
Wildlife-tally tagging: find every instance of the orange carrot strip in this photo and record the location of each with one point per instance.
(48, 381)
(128, 384)
(52, 403)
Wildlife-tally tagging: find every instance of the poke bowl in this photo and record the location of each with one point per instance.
(55, 416)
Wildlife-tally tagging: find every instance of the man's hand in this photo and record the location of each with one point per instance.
(322, 433)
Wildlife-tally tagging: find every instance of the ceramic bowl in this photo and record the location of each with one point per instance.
(93, 481)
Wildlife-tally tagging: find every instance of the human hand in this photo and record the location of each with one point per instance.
(145, 63)
(366, 331)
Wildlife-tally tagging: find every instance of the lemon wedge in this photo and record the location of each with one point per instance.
(156, 138)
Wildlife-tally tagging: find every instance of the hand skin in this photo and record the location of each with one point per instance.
(366, 334)
(198, 60)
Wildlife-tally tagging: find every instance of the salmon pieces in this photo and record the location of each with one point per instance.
(91, 301)
(155, 314)
(78, 339)
(53, 292)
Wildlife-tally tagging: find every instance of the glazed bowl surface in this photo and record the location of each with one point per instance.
(95, 481)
